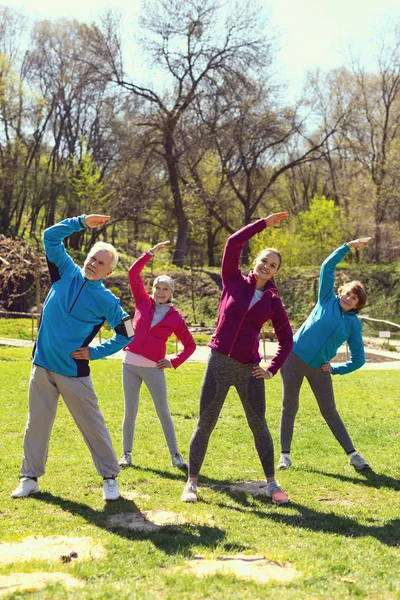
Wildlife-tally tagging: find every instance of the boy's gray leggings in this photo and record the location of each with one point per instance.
(132, 378)
(221, 373)
(293, 372)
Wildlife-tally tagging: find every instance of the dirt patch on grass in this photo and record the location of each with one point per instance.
(133, 495)
(51, 548)
(254, 488)
(31, 582)
(150, 520)
(257, 568)
(336, 501)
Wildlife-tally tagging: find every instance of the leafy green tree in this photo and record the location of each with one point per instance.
(88, 193)
(321, 228)
(284, 239)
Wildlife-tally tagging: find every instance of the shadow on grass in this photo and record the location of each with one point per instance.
(314, 520)
(388, 534)
(204, 480)
(170, 539)
(369, 479)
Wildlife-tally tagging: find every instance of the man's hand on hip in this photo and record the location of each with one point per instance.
(81, 354)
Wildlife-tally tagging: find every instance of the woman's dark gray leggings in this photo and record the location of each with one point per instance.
(221, 373)
(293, 372)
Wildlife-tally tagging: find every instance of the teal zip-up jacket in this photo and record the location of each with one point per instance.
(328, 326)
(74, 310)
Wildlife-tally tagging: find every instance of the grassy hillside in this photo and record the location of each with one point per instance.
(197, 291)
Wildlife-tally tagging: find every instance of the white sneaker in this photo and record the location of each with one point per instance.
(177, 461)
(125, 460)
(357, 461)
(284, 462)
(189, 492)
(110, 490)
(27, 486)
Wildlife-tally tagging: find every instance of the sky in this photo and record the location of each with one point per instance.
(311, 33)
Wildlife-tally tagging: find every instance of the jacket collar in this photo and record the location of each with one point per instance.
(93, 284)
(351, 313)
(269, 286)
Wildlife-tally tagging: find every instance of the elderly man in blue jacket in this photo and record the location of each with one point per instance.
(76, 307)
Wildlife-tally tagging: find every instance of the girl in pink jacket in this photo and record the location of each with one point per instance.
(154, 322)
(246, 304)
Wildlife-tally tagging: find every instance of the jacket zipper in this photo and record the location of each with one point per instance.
(241, 321)
(164, 317)
(330, 335)
(79, 293)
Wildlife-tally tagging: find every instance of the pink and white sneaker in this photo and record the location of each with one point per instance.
(189, 493)
(276, 493)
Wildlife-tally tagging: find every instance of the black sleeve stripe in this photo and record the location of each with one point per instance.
(82, 366)
(54, 271)
(34, 345)
(93, 333)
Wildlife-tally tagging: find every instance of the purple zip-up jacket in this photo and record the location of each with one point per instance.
(237, 329)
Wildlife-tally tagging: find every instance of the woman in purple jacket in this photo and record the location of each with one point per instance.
(246, 304)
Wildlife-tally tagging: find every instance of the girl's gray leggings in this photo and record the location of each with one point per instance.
(132, 378)
(221, 373)
(293, 372)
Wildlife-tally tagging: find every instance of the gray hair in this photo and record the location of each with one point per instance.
(108, 248)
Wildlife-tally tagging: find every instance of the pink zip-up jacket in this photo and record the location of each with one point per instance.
(237, 329)
(151, 342)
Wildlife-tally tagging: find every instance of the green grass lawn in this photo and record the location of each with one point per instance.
(23, 329)
(341, 531)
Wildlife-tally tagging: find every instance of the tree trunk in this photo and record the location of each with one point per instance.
(181, 240)
(6, 209)
(210, 248)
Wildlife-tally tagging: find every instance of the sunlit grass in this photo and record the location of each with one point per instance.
(341, 532)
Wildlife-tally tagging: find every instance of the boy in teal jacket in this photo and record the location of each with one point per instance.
(332, 322)
(75, 309)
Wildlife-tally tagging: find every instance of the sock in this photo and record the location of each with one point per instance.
(352, 453)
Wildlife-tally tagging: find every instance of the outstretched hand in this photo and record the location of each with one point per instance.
(96, 220)
(275, 218)
(358, 243)
(159, 246)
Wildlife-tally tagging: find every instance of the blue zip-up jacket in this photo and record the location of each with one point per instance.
(74, 310)
(328, 326)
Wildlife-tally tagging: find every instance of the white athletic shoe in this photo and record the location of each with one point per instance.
(189, 493)
(110, 490)
(284, 462)
(125, 460)
(357, 461)
(27, 486)
(177, 461)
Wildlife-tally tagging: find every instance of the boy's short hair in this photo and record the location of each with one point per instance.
(357, 288)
